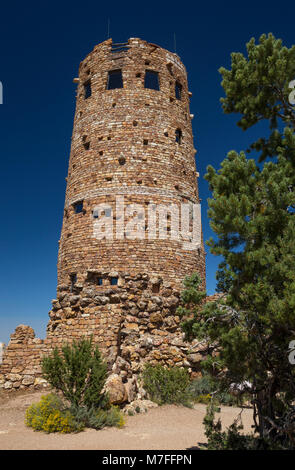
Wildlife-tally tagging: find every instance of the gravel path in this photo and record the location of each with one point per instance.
(164, 428)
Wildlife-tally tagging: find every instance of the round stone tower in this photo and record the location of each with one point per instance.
(132, 144)
(131, 228)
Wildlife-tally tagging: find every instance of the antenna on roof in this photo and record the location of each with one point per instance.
(174, 43)
(109, 24)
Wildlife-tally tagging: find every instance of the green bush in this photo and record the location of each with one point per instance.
(49, 415)
(79, 372)
(98, 418)
(166, 385)
(205, 386)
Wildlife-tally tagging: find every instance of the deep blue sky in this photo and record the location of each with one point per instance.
(41, 46)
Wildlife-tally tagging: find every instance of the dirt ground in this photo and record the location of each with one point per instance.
(164, 428)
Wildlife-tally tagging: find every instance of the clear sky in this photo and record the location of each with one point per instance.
(41, 46)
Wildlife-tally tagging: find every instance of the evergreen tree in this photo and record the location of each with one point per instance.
(261, 87)
(252, 212)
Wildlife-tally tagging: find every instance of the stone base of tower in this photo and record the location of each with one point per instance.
(133, 323)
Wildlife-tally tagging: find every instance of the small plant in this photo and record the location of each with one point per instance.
(49, 415)
(202, 385)
(166, 385)
(205, 399)
(98, 418)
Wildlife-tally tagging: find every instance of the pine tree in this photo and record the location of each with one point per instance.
(252, 212)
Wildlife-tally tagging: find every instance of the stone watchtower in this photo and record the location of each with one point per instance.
(132, 137)
(132, 144)
(132, 161)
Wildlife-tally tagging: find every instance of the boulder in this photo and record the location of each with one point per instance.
(28, 380)
(139, 406)
(116, 389)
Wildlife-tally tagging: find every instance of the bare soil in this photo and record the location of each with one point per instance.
(167, 427)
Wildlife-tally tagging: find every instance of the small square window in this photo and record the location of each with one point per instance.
(99, 281)
(151, 80)
(178, 90)
(108, 212)
(87, 89)
(86, 145)
(114, 281)
(78, 207)
(115, 79)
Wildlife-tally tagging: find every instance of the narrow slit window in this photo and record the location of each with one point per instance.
(156, 288)
(78, 207)
(151, 80)
(178, 90)
(87, 89)
(178, 136)
(99, 281)
(73, 279)
(115, 79)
